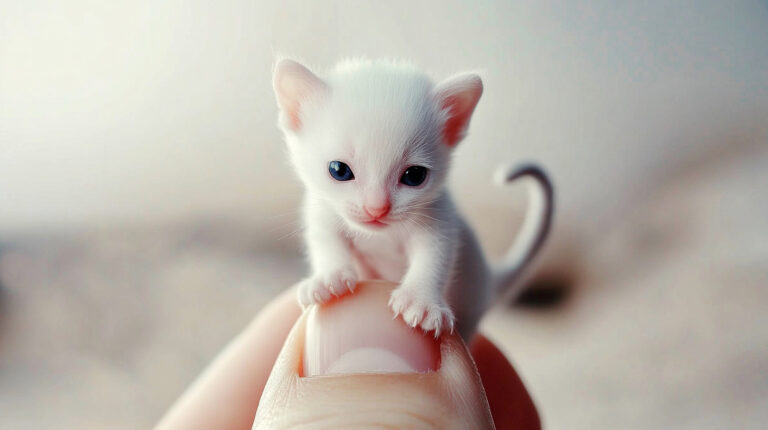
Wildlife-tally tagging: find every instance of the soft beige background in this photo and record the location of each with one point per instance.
(147, 211)
(154, 110)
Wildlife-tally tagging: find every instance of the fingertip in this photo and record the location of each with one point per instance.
(355, 334)
(371, 361)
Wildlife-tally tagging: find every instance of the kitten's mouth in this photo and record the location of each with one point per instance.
(375, 223)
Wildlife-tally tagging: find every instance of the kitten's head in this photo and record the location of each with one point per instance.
(373, 139)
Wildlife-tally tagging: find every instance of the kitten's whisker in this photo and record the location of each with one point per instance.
(430, 229)
(419, 214)
(289, 224)
(291, 233)
(426, 216)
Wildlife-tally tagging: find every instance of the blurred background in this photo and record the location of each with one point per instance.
(147, 211)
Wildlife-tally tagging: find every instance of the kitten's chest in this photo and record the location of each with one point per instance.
(381, 257)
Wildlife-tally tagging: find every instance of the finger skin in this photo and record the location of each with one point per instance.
(227, 394)
(449, 398)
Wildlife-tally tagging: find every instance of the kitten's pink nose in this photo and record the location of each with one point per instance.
(376, 212)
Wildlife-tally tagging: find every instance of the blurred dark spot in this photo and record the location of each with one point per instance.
(545, 293)
(3, 306)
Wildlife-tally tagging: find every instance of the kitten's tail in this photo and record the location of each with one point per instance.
(538, 219)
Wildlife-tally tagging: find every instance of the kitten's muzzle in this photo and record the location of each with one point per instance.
(377, 212)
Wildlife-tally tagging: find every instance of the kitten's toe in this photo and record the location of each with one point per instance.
(418, 312)
(400, 300)
(341, 282)
(312, 291)
(439, 317)
(304, 293)
(414, 315)
(322, 288)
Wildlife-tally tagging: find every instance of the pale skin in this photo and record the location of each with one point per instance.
(473, 387)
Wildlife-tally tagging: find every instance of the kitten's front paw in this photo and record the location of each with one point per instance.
(321, 288)
(417, 311)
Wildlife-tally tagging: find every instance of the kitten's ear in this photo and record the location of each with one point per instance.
(458, 97)
(294, 84)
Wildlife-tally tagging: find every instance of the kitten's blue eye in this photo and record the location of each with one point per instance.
(414, 176)
(340, 171)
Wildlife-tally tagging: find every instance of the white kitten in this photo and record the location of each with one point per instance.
(372, 144)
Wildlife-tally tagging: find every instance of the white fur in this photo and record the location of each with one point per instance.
(381, 118)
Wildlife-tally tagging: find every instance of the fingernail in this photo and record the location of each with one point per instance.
(357, 334)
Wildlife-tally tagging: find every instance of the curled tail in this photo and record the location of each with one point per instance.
(538, 219)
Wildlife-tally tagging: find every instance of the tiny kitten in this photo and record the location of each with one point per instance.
(372, 144)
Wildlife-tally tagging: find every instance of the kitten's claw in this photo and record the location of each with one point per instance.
(321, 288)
(417, 311)
(414, 321)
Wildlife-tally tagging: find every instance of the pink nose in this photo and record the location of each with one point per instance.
(377, 212)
